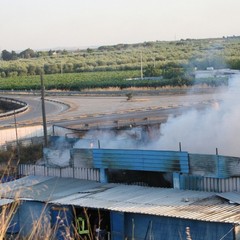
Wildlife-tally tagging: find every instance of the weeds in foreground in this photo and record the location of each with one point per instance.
(6, 215)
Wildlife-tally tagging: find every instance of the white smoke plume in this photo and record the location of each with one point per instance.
(109, 139)
(217, 127)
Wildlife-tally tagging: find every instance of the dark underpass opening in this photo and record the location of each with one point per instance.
(141, 178)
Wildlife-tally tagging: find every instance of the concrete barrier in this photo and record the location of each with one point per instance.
(22, 106)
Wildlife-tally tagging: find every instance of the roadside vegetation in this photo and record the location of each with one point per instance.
(163, 64)
(11, 156)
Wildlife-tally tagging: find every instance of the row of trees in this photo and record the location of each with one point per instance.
(168, 59)
(168, 70)
(29, 53)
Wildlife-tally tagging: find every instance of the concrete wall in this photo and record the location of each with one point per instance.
(9, 134)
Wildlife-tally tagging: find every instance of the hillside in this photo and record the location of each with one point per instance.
(200, 53)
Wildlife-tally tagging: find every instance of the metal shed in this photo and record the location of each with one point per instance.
(151, 211)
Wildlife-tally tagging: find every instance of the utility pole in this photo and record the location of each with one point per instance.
(141, 67)
(43, 111)
(61, 68)
(17, 142)
(154, 64)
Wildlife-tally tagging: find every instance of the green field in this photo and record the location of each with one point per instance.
(93, 80)
(69, 81)
(110, 66)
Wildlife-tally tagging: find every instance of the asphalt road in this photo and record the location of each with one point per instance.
(78, 111)
(34, 113)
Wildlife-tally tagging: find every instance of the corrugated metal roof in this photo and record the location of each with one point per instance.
(5, 201)
(231, 196)
(175, 203)
(204, 206)
(213, 213)
(50, 189)
(20, 184)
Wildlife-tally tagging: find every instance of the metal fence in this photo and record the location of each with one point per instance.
(66, 172)
(200, 183)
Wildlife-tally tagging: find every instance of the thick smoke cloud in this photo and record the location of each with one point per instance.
(217, 127)
(198, 131)
(127, 139)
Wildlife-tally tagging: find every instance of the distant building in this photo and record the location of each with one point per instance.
(210, 72)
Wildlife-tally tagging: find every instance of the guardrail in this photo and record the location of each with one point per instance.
(22, 106)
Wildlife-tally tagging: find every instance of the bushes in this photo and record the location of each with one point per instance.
(28, 154)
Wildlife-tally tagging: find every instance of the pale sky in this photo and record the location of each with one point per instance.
(48, 24)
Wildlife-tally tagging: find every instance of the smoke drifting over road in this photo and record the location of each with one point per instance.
(198, 131)
(204, 131)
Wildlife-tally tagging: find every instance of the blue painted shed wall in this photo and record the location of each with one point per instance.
(215, 166)
(222, 167)
(174, 228)
(62, 221)
(117, 225)
(147, 160)
(31, 212)
(14, 225)
(192, 183)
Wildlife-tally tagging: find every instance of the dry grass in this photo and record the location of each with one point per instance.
(6, 215)
(40, 229)
(9, 158)
(112, 89)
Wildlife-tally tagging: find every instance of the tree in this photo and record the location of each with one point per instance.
(50, 52)
(14, 55)
(89, 50)
(3, 74)
(172, 70)
(151, 71)
(31, 69)
(6, 56)
(28, 53)
(51, 68)
(68, 68)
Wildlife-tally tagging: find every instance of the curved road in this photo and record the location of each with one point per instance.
(77, 111)
(34, 113)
